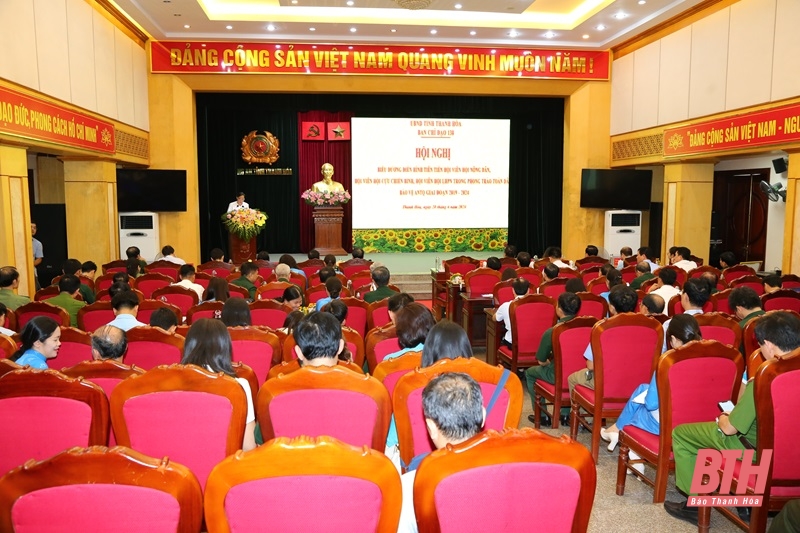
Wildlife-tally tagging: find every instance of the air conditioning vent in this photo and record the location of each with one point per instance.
(136, 222)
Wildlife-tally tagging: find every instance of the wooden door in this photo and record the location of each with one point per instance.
(739, 214)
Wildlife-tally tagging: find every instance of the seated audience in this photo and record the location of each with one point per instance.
(313, 254)
(168, 254)
(745, 304)
(712, 280)
(510, 251)
(396, 302)
(772, 283)
(494, 263)
(120, 277)
(187, 275)
(453, 407)
(287, 259)
(89, 270)
(330, 262)
(358, 253)
(568, 307)
(643, 273)
(524, 259)
(681, 259)
(133, 253)
(641, 410)
(671, 253)
(665, 286)
(248, 279)
(217, 261)
(126, 307)
(73, 267)
(291, 321)
(165, 319)
(645, 253)
(621, 299)
(292, 297)
(613, 278)
(574, 285)
(217, 290)
(652, 304)
(263, 255)
(380, 280)
(236, 312)
(208, 345)
(778, 334)
(553, 253)
(624, 253)
(110, 343)
(412, 323)
(694, 296)
(39, 341)
(118, 287)
(69, 286)
(283, 273)
(591, 251)
(133, 268)
(326, 273)
(549, 272)
(339, 310)
(3, 313)
(727, 260)
(508, 273)
(503, 314)
(445, 340)
(333, 286)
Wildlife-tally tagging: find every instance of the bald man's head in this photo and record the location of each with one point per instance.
(109, 342)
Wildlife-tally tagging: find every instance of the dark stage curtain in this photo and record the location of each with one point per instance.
(313, 154)
(535, 170)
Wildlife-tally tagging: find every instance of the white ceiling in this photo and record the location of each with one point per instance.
(594, 24)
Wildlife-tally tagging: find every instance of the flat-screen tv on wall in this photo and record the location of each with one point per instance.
(616, 189)
(151, 190)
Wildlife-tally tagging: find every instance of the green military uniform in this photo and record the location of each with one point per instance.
(546, 373)
(247, 284)
(12, 300)
(688, 439)
(379, 294)
(636, 284)
(86, 294)
(69, 304)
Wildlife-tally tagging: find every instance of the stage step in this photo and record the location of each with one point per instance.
(417, 285)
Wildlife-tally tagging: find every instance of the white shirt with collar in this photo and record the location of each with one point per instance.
(685, 264)
(503, 314)
(172, 259)
(233, 206)
(196, 287)
(561, 264)
(126, 322)
(666, 292)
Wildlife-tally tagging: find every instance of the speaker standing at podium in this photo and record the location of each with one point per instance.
(238, 204)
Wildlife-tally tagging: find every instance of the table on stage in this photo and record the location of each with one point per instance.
(438, 286)
(472, 316)
(495, 331)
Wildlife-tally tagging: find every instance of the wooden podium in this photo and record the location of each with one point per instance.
(242, 250)
(328, 230)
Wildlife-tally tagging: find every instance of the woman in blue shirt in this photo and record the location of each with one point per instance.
(41, 339)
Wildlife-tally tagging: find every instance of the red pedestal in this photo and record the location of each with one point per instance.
(328, 230)
(242, 250)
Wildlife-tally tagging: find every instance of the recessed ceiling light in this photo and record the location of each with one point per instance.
(394, 30)
(433, 32)
(186, 26)
(228, 27)
(513, 33)
(619, 16)
(270, 28)
(600, 27)
(585, 35)
(353, 30)
(549, 34)
(458, 6)
(473, 32)
(350, 2)
(642, 2)
(294, 1)
(312, 29)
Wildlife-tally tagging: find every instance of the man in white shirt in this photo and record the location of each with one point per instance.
(520, 286)
(168, 254)
(646, 254)
(681, 260)
(126, 307)
(665, 286)
(553, 253)
(239, 203)
(453, 407)
(187, 274)
(694, 296)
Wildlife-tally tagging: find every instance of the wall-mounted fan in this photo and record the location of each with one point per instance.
(773, 192)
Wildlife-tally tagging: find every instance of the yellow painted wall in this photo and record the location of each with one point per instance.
(688, 198)
(49, 180)
(586, 125)
(16, 246)
(791, 225)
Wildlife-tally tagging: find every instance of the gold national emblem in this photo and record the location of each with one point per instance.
(260, 148)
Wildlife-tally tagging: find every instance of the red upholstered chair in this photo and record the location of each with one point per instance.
(149, 347)
(203, 279)
(721, 328)
(569, 342)
(104, 296)
(102, 283)
(364, 289)
(777, 402)
(43, 412)
(750, 344)
(315, 294)
(215, 268)
(691, 380)
(359, 278)
(258, 349)
(508, 262)
(498, 464)
(593, 305)
(597, 286)
(47, 292)
(168, 268)
(504, 292)
(782, 300)
(625, 347)
(530, 316)
(698, 260)
(365, 480)
(378, 314)
(460, 265)
(76, 347)
(265, 268)
(628, 273)
(681, 274)
(407, 401)
(148, 307)
(101, 489)
(481, 280)
(352, 341)
(674, 306)
(379, 343)
(235, 291)
(7, 347)
(567, 273)
(352, 266)
(148, 283)
(590, 261)
(182, 330)
(311, 266)
(553, 288)
(193, 416)
(590, 273)
(533, 276)
(650, 285)
(181, 297)
(95, 315)
(389, 371)
(313, 280)
(272, 290)
(106, 375)
(790, 281)
(720, 302)
(287, 367)
(753, 361)
(702, 269)
(754, 282)
(357, 313)
(736, 272)
(331, 401)
(25, 312)
(204, 310)
(541, 263)
(269, 313)
(111, 267)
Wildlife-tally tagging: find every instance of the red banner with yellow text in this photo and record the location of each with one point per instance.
(759, 128)
(281, 58)
(31, 118)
